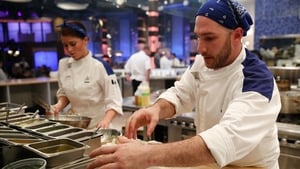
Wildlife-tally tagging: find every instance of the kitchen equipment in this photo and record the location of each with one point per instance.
(82, 136)
(283, 85)
(29, 163)
(65, 132)
(11, 106)
(95, 133)
(53, 128)
(40, 125)
(21, 108)
(290, 101)
(58, 151)
(77, 164)
(8, 112)
(175, 129)
(35, 114)
(30, 122)
(289, 139)
(48, 108)
(108, 135)
(291, 73)
(72, 120)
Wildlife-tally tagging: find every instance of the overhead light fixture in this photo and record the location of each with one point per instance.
(69, 5)
(120, 2)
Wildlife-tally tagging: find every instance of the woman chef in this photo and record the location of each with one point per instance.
(88, 84)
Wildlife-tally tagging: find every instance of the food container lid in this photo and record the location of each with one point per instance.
(29, 163)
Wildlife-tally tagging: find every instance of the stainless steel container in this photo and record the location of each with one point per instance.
(65, 132)
(72, 120)
(289, 137)
(58, 151)
(290, 102)
(286, 73)
(29, 122)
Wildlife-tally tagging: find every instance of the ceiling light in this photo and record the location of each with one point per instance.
(72, 5)
(120, 2)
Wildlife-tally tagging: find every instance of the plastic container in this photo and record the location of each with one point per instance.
(29, 163)
(145, 94)
(137, 97)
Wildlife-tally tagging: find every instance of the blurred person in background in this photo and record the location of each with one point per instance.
(138, 67)
(165, 62)
(175, 61)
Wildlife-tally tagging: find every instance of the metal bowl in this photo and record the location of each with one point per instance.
(108, 135)
(33, 163)
(72, 120)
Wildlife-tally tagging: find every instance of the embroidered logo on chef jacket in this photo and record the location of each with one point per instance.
(87, 80)
(113, 82)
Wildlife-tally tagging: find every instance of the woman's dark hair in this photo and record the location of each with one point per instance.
(73, 28)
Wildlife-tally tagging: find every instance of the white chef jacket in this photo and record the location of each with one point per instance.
(91, 87)
(2, 75)
(165, 63)
(137, 65)
(236, 109)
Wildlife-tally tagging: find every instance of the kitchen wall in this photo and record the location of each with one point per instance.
(276, 17)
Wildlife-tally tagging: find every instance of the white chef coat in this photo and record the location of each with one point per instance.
(2, 75)
(165, 63)
(91, 87)
(236, 109)
(137, 65)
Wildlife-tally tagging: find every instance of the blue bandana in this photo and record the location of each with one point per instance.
(73, 27)
(228, 13)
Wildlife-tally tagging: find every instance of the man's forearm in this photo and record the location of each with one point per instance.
(148, 75)
(189, 152)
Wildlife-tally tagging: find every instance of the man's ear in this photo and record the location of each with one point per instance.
(238, 33)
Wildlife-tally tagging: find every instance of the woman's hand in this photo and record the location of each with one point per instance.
(104, 124)
(53, 110)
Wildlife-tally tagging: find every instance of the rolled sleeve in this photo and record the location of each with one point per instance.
(220, 145)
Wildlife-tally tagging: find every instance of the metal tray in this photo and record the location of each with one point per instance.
(29, 122)
(5, 128)
(58, 151)
(65, 132)
(82, 136)
(19, 141)
(16, 136)
(11, 131)
(20, 119)
(11, 106)
(51, 129)
(37, 126)
(80, 163)
(4, 114)
(12, 116)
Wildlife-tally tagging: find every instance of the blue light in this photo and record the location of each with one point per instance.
(47, 58)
